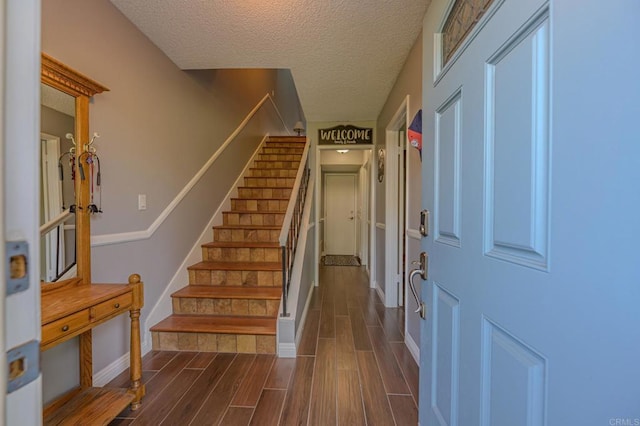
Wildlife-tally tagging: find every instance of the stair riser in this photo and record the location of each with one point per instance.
(210, 342)
(270, 182)
(270, 219)
(246, 235)
(259, 164)
(295, 151)
(285, 142)
(233, 254)
(236, 278)
(284, 173)
(264, 193)
(234, 307)
(260, 205)
(279, 157)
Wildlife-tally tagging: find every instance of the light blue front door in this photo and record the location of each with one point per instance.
(531, 171)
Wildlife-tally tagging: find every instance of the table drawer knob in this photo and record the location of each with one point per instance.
(117, 305)
(65, 328)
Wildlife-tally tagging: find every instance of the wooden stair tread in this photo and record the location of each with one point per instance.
(267, 187)
(272, 168)
(287, 141)
(267, 227)
(236, 266)
(217, 324)
(241, 244)
(262, 199)
(226, 292)
(256, 212)
(99, 406)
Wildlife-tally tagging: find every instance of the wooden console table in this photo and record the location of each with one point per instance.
(74, 309)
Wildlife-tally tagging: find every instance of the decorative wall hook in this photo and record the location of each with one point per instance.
(72, 150)
(90, 159)
(88, 146)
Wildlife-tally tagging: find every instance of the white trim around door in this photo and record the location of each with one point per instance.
(392, 277)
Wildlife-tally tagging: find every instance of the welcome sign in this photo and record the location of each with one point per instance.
(345, 135)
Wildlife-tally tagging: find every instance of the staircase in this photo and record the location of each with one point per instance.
(231, 303)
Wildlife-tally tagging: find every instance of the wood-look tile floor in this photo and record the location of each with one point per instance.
(352, 368)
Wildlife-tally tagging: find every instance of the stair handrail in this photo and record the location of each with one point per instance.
(291, 224)
(53, 223)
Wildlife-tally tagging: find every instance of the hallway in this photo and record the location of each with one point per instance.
(352, 368)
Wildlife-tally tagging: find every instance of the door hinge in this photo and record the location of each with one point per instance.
(23, 364)
(17, 266)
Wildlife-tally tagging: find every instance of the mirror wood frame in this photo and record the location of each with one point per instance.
(64, 78)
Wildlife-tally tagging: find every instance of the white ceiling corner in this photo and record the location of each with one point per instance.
(344, 55)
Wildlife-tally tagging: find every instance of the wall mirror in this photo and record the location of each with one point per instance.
(57, 244)
(64, 134)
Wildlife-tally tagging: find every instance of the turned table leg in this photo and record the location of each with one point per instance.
(137, 388)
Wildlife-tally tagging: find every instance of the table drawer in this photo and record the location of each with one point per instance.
(67, 325)
(111, 306)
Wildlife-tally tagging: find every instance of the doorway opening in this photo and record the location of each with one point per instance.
(344, 203)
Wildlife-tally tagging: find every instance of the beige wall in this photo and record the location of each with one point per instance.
(158, 126)
(409, 82)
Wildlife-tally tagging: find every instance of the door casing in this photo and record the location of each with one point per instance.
(393, 247)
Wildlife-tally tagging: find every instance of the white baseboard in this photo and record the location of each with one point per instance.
(413, 348)
(303, 319)
(112, 370)
(286, 350)
(380, 292)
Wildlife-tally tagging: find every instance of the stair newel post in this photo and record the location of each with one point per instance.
(137, 388)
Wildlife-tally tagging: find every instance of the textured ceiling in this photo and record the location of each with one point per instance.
(344, 54)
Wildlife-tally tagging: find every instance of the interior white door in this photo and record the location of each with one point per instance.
(340, 203)
(531, 172)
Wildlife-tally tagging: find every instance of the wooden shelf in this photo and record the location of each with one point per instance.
(97, 406)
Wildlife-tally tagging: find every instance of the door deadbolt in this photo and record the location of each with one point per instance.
(424, 223)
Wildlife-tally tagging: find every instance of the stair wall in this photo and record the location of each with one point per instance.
(227, 297)
(163, 306)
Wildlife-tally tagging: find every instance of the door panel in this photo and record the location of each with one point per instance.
(532, 294)
(340, 224)
(445, 355)
(516, 178)
(447, 170)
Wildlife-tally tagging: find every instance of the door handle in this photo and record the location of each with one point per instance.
(422, 270)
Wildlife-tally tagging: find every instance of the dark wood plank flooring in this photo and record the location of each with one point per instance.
(352, 368)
